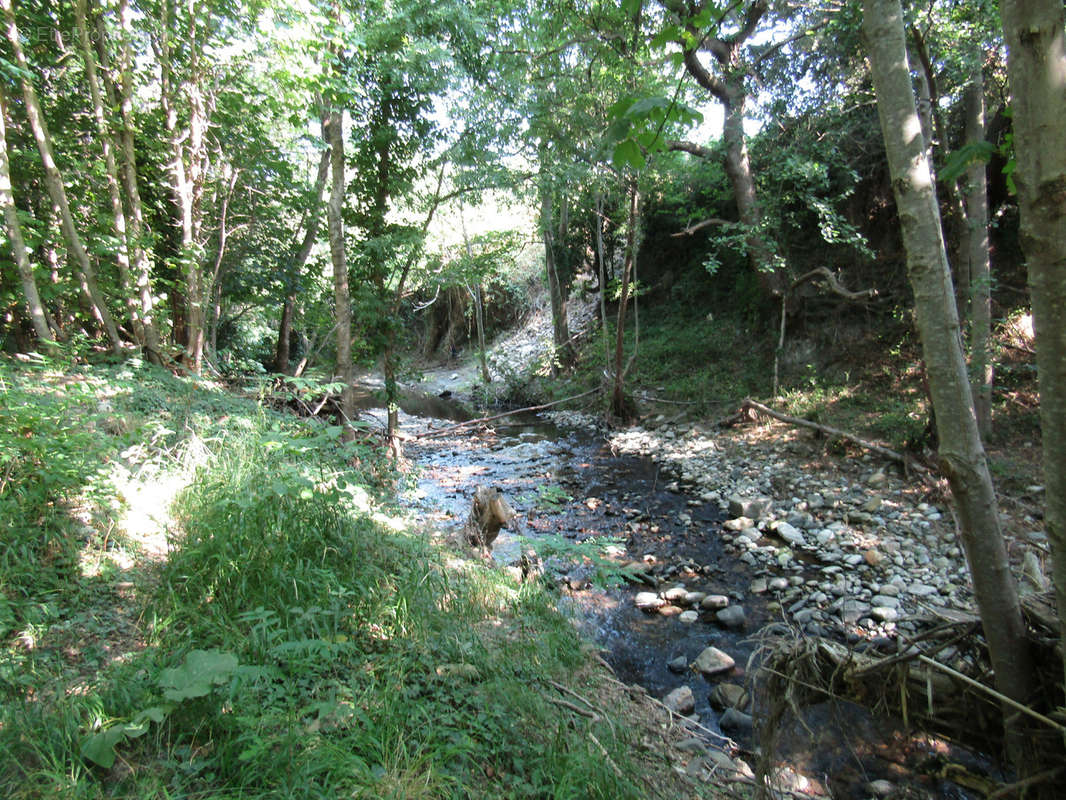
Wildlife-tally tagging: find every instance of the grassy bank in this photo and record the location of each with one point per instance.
(202, 598)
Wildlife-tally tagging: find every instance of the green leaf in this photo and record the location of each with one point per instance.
(628, 152)
(100, 747)
(631, 7)
(202, 670)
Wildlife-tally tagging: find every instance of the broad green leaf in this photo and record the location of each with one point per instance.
(628, 152)
(100, 747)
(202, 670)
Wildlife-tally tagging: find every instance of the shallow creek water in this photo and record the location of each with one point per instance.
(569, 483)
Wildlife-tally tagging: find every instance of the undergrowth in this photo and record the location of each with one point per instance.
(296, 640)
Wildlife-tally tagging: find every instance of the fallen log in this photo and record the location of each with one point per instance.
(828, 430)
(480, 420)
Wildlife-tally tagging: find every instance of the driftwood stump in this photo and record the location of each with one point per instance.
(489, 512)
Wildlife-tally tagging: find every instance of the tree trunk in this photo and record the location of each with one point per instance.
(563, 355)
(619, 407)
(140, 262)
(54, 182)
(342, 300)
(978, 257)
(1036, 66)
(187, 173)
(118, 213)
(962, 457)
(18, 244)
(603, 278)
(312, 220)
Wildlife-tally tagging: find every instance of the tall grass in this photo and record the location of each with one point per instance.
(348, 658)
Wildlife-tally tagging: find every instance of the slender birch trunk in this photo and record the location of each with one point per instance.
(619, 406)
(18, 244)
(54, 182)
(341, 296)
(961, 455)
(980, 272)
(1036, 66)
(118, 213)
(311, 223)
(141, 263)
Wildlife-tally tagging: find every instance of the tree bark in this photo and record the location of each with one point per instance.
(342, 300)
(978, 257)
(619, 407)
(1036, 66)
(18, 244)
(563, 349)
(312, 221)
(728, 89)
(141, 263)
(54, 182)
(118, 213)
(962, 457)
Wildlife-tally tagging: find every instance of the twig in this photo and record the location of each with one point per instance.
(1010, 788)
(576, 709)
(572, 693)
(688, 723)
(1001, 697)
(603, 750)
(441, 431)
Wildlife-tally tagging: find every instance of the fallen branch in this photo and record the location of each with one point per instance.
(831, 431)
(480, 420)
(576, 709)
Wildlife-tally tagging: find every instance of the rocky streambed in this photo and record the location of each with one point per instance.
(725, 538)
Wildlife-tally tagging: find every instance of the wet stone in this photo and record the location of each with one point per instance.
(680, 701)
(753, 508)
(733, 720)
(677, 665)
(648, 601)
(713, 602)
(729, 695)
(688, 617)
(713, 661)
(732, 617)
(759, 586)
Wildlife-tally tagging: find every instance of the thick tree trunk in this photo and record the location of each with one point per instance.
(18, 244)
(342, 300)
(978, 257)
(962, 457)
(54, 182)
(312, 222)
(1036, 65)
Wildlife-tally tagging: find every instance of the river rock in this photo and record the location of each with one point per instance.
(884, 613)
(713, 661)
(688, 616)
(675, 594)
(880, 788)
(677, 665)
(670, 611)
(713, 602)
(873, 557)
(735, 720)
(680, 701)
(753, 508)
(738, 524)
(789, 533)
(779, 584)
(759, 586)
(648, 601)
(729, 695)
(732, 617)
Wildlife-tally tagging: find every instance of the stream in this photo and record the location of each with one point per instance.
(567, 483)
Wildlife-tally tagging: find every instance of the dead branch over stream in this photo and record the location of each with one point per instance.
(480, 420)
